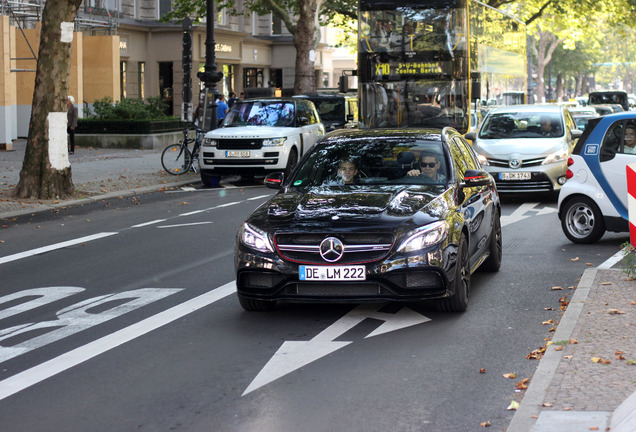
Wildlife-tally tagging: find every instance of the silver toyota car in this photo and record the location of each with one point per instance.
(526, 147)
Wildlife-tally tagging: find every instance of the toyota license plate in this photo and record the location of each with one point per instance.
(332, 273)
(237, 154)
(523, 175)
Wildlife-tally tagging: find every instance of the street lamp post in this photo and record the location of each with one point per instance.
(210, 76)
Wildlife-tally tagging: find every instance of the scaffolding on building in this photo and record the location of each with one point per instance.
(93, 16)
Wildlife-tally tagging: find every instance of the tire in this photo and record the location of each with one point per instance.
(210, 180)
(458, 302)
(493, 262)
(582, 221)
(253, 305)
(292, 160)
(176, 160)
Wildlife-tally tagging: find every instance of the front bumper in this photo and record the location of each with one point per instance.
(542, 179)
(422, 277)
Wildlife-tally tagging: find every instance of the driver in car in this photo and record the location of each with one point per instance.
(429, 165)
(347, 171)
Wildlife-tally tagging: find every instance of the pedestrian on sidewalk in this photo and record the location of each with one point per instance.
(71, 114)
(222, 109)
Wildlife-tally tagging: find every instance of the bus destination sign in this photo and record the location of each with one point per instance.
(404, 69)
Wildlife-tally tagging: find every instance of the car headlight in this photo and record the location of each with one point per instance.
(425, 237)
(274, 142)
(255, 238)
(209, 142)
(556, 157)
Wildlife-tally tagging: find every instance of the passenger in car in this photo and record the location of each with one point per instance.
(630, 140)
(347, 171)
(429, 167)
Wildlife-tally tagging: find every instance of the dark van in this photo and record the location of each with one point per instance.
(609, 97)
(337, 110)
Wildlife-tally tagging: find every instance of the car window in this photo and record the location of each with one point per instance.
(612, 141)
(380, 161)
(512, 125)
(629, 138)
(261, 113)
(463, 157)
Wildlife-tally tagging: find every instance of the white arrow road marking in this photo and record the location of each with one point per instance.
(521, 213)
(293, 355)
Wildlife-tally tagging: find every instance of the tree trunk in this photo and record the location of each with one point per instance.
(46, 171)
(304, 44)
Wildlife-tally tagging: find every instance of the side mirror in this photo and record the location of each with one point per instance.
(473, 178)
(576, 133)
(350, 117)
(471, 136)
(274, 180)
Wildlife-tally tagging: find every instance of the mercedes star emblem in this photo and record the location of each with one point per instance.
(331, 249)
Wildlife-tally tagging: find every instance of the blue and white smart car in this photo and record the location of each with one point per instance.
(594, 198)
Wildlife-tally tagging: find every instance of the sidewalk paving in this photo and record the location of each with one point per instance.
(570, 391)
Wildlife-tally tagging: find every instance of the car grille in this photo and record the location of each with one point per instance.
(359, 247)
(336, 289)
(239, 144)
(524, 186)
(505, 163)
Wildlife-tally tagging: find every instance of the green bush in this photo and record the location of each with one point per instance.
(153, 108)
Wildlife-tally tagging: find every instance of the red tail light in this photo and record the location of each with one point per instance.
(569, 174)
(570, 162)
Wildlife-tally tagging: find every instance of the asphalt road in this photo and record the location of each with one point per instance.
(121, 315)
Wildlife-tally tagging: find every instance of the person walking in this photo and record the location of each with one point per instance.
(71, 114)
(232, 100)
(222, 109)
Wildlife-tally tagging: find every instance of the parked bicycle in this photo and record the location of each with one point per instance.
(178, 159)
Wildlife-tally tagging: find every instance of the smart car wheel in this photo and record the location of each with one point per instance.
(254, 305)
(459, 301)
(582, 221)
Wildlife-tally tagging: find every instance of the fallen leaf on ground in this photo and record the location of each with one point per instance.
(557, 288)
(510, 375)
(513, 406)
(568, 357)
(550, 321)
(485, 424)
(547, 404)
(573, 341)
(558, 348)
(574, 259)
(523, 384)
(482, 370)
(615, 312)
(605, 283)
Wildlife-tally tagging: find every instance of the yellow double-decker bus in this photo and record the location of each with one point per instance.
(430, 62)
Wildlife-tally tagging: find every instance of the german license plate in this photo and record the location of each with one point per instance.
(237, 153)
(332, 273)
(522, 175)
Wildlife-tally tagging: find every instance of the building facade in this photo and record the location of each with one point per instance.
(121, 50)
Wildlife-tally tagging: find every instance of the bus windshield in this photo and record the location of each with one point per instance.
(422, 64)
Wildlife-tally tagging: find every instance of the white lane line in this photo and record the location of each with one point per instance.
(41, 372)
(149, 223)
(26, 254)
(184, 225)
(612, 260)
(259, 197)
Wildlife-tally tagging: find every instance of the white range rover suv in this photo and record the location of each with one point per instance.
(260, 136)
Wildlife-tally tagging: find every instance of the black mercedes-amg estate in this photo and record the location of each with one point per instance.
(373, 215)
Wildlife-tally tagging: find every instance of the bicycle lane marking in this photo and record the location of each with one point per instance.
(43, 371)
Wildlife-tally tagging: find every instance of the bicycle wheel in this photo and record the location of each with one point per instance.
(176, 159)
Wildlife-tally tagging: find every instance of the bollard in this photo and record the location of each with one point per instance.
(631, 201)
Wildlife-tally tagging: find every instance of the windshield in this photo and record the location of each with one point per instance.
(522, 125)
(261, 113)
(330, 110)
(381, 161)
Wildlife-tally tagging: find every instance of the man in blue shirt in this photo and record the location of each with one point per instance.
(221, 109)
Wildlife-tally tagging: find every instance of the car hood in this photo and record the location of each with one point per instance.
(525, 147)
(250, 132)
(353, 206)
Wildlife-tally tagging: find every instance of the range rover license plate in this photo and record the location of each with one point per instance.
(522, 175)
(332, 273)
(237, 153)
